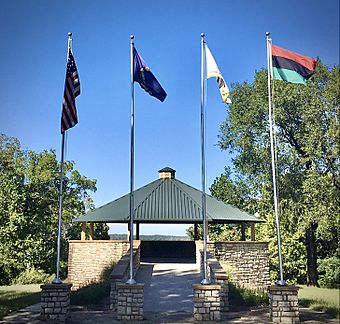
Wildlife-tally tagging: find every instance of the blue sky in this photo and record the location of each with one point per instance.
(167, 35)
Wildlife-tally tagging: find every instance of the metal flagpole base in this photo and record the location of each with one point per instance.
(131, 281)
(205, 281)
(280, 283)
(57, 281)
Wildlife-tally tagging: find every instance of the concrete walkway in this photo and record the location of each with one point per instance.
(168, 286)
(167, 299)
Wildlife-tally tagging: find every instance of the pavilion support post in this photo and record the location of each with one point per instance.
(83, 231)
(243, 231)
(196, 238)
(91, 231)
(252, 231)
(207, 230)
(137, 231)
(128, 231)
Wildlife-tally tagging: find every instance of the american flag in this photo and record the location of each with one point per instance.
(72, 90)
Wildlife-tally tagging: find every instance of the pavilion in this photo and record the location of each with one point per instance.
(167, 200)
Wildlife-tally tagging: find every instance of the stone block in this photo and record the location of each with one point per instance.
(288, 314)
(277, 297)
(201, 310)
(215, 293)
(216, 316)
(206, 317)
(48, 310)
(198, 317)
(121, 310)
(283, 304)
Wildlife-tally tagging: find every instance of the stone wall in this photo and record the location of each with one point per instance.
(249, 261)
(88, 259)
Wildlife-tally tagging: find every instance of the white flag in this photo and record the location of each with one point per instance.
(213, 71)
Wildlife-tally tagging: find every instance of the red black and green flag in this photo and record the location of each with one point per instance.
(290, 66)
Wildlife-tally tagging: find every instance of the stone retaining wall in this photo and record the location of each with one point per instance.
(248, 259)
(88, 259)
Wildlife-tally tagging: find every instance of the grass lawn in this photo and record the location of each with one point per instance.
(15, 297)
(321, 299)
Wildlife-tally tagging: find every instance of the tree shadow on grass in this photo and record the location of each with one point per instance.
(321, 306)
(11, 301)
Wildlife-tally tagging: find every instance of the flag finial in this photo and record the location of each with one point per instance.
(69, 34)
(132, 37)
(267, 34)
(202, 35)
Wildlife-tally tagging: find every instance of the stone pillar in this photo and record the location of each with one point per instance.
(196, 238)
(129, 232)
(207, 302)
(55, 302)
(130, 302)
(137, 230)
(283, 304)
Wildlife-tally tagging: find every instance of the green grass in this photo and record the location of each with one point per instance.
(321, 299)
(15, 297)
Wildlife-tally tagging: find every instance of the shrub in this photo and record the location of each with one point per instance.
(32, 276)
(105, 275)
(329, 274)
(242, 296)
(228, 268)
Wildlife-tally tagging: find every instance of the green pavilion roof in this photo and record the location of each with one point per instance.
(167, 200)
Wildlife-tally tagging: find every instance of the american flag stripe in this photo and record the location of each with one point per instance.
(72, 90)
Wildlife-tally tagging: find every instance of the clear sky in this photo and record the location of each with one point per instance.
(167, 35)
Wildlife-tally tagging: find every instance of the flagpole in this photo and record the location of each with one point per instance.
(205, 280)
(281, 281)
(57, 279)
(131, 281)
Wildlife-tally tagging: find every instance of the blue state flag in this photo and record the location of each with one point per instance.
(145, 78)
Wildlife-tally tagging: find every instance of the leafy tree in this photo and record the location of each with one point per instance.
(307, 128)
(29, 190)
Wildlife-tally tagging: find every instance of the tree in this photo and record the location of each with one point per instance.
(29, 189)
(307, 128)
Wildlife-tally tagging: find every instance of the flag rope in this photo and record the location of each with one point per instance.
(281, 281)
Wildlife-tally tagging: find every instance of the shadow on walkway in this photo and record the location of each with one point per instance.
(168, 287)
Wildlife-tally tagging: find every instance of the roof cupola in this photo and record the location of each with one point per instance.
(167, 173)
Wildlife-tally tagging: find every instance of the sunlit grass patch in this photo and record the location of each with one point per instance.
(321, 299)
(16, 297)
